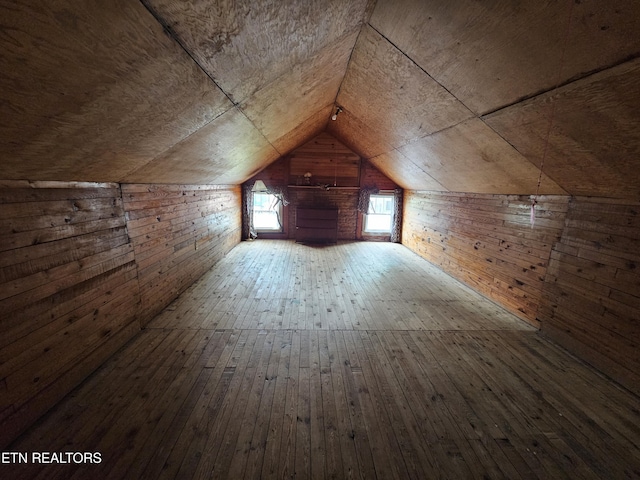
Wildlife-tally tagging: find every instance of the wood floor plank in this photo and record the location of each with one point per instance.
(182, 448)
(331, 431)
(344, 430)
(265, 399)
(316, 414)
(166, 410)
(278, 427)
(234, 435)
(387, 455)
(285, 466)
(355, 360)
(358, 432)
(411, 446)
(303, 426)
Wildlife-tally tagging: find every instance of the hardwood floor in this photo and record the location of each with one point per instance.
(352, 361)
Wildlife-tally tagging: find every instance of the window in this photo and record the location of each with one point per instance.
(267, 212)
(380, 214)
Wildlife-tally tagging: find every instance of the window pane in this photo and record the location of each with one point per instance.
(379, 215)
(266, 212)
(378, 223)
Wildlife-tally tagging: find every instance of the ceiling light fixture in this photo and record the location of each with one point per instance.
(335, 115)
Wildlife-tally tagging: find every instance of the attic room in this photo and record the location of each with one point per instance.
(331, 239)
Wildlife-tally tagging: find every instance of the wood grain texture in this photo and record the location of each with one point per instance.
(472, 158)
(224, 152)
(592, 287)
(492, 54)
(406, 172)
(307, 87)
(358, 135)
(331, 162)
(306, 130)
(345, 201)
(328, 160)
(594, 142)
(371, 176)
(487, 242)
(68, 292)
(361, 361)
(246, 46)
(178, 232)
(391, 95)
(93, 91)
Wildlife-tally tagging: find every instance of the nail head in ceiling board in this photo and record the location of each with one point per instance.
(404, 172)
(472, 158)
(246, 45)
(393, 96)
(594, 145)
(308, 87)
(100, 96)
(491, 54)
(225, 151)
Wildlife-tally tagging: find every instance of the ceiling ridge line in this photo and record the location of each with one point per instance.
(422, 69)
(335, 99)
(170, 32)
(559, 85)
(234, 105)
(239, 104)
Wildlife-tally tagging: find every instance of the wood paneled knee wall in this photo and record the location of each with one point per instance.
(574, 274)
(83, 266)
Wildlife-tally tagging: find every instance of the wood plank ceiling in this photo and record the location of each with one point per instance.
(441, 95)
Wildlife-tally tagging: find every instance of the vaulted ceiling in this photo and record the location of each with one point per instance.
(445, 95)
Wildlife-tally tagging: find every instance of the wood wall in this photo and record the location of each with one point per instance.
(328, 160)
(345, 200)
(178, 232)
(592, 291)
(575, 274)
(69, 292)
(77, 269)
(487, 242)
(337, 176)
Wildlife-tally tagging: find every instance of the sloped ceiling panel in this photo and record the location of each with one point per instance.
(471, 157)
(150, 90)
(97, 91)
(594, 125)
(307, 87)
(394, 96)
(245, 45)
(223, 152)
(358, 135)
(403, 171)
(494, 53)
(487, 56)
(308, 128)
(93, 90)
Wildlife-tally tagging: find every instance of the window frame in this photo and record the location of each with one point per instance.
(278, 208)
(365, 220)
